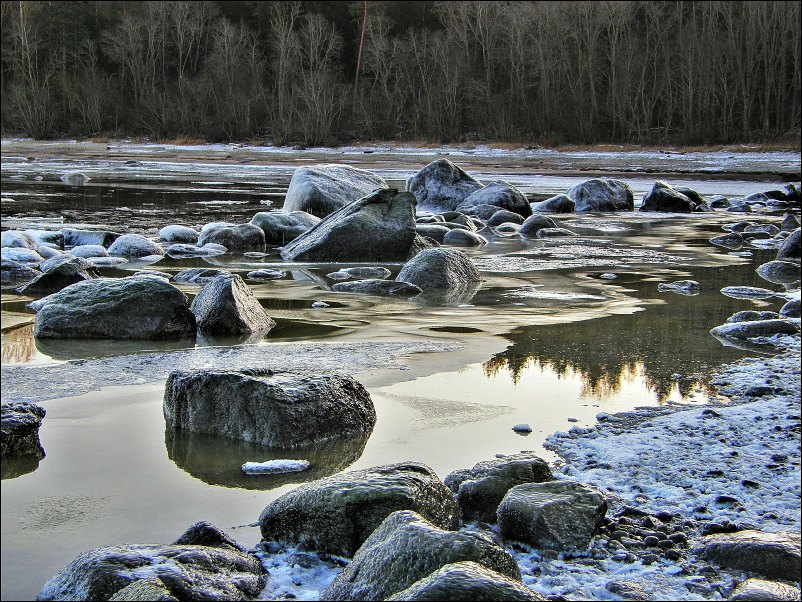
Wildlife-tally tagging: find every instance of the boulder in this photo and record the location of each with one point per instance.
(21, 255)
(134, 245)
(323, 189)
(266, 274)
(74, 178)
(19, 430)
(145, 589)
(46, 251)
(281, 228)
(204, 533)
(198, 275)
(464, 238)
(556, 515)
(442, 186)
(791, 249)
(434, 231)
(379, 287)
(764, 230)
(663, 197)
(772, 555)
(759, 589)
(276, 409)
(504, 216)
(481, 211)
(54, 238)
(790, 223)
(75, 238)
(406, 548)
(89, 251)
(18, 238)
(692, 195)
(500, 194)
(179, 234)
(137, 307)
(13, 273)
(790, 309)
(480, 489)
(756, 328)
(58, 273)
(188, 572)
(187, 250)
(779, 272)
(238, 238)
(751, 316)
(466, 581)
(534, 223)
(602, 195)
(555, 233)
(379, 227)
(437, 269)
(337, 514)
(560, 203)
(720, 202)
(731, 240)
(226, 306)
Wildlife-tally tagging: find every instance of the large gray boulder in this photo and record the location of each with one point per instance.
(323, 189)
(466, 581)
(137, 307)
(479, 490)
(75, 237)
(756, 328)
(276, 409)
(227, 306)
(58, 273)
(556, 515)
(187, 572)
(602, 195)
(134, 245)
(759, 589)
(338, 513)
(791, 249)
(441, 186)
(379, 287)
(404, 549)
(379, 227)
(239, 238)
(499, 193)
(439, 269)
(561, 203)
(19, 430)
(281, 228)
(664, 198)
(772, 555)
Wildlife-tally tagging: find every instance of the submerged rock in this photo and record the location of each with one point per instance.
(560, 203)
(732, 241)
(379, 227)
(276, 409)
(266, 274)
(19, 430)
(751, 316)
(337, 514)
(501, 194)
(179, 234)
(556, 515)
(681, 287)
(773, 555)
(281, 228)
(324, 189)
(434, 269)
(406, 548)
(555, 233)
(533, 224)
(227, 306)
(187, 250)
(442, 186)
(378, 287)
(602, 195)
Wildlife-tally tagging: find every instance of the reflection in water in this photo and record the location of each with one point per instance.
(11, 468)
(70, 349)
(18, 346)
(218, 460)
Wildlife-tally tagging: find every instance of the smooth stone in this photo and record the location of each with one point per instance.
(733, 241)
(266, 274)
(747, 292)
(368, 272)
(790, 249)
(226, 306)
(441, 186)
(664, 198)
(773, 555)
(134, 245)
(790, 309)
(434, 231)
(281, 228)
(757, 328)
(555, 233)
(602, 195)
(464, 238)
(179, 234)
(751, 316)
(533, 224)
(383, 288)
(437, 269)
(790, 223)
(323, 189)
(682, 287)
(779, 272)
(237, 238)
(500, 194)
(86, 251)
(18, 239)
(198, 275)
(21, 255)
(560, 203)
(504, 216)
(188, 250)
(483, 212)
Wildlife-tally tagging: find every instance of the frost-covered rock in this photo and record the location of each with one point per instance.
(281, 228)
(58, 273)
(406, 548)
(437, 269)
(14, 273)
(790, 223)
(464, 238)
(75, 238)
(189, 572)
(47, 251)
(790, 309)
(480, 489)
(227, 306)
(187, 250)
(276, 409)
(338, 513)
(379, 227)
(791, 249)
(134, 245)
(266, 274)
(179, 234)
(756, 328)
(18, 238)
(442, 186)
(681, 287)
(323, 189)
(136, 307)
(19, 430)
(275, 467)
(760, 589)
(21, 255)
(779, 272)
(238, 238)
(556, 515)
(663, 197)
(466, 581)
(198, 275)
(501, 194)
(555, 233)
(376, 286)
(560, 203)
(602, 195)
(772, 555)
(75, 178)
(531, 225)
(751, 316)
(54, 238)
(89, 251)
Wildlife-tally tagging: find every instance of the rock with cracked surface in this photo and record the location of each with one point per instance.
(773, 555)
(337, 514)
(144, 589)
(323, 189)
(226, 305)
(442, 186)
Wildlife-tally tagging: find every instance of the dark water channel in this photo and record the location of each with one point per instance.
(544, 339)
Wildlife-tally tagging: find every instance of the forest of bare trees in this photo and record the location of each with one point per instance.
(642, 72)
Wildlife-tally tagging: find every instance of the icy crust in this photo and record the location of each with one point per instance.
(740, 462)
(297, 575)
(40, 383)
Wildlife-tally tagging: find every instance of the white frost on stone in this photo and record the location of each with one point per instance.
(274, 467)
(522, 428)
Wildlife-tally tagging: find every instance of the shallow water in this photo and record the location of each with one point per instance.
(545, 340)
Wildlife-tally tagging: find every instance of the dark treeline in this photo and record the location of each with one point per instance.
(545, 72)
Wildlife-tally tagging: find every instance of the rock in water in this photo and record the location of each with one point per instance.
(338, 513)
(383, 288)
(281, 228)
(773, 555)
(276, 409)
(17, 238)
(438, 269)
(58, 273)
(75, 238)
(379, 227)
(239, 238)
(791, 309)
(533, 224)
(441, 186)
(19, 435)
(556, 515)
(134, 245)
(137, 307)
(179, 234)
(779, 272)
(463, 238)
(663, 197)
(466, 581)
(758, 589)
(323, 189)
(560, 203)
(13, 273)
(602, 195)
(500, 194)
(227, 306)
(199, 275)
(791, 249)
(681, 287)
(756, 328)
(406, 548)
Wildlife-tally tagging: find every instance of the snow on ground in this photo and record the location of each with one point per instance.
(297, 575)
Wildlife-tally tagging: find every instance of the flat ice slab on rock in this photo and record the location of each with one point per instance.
(275, 467)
